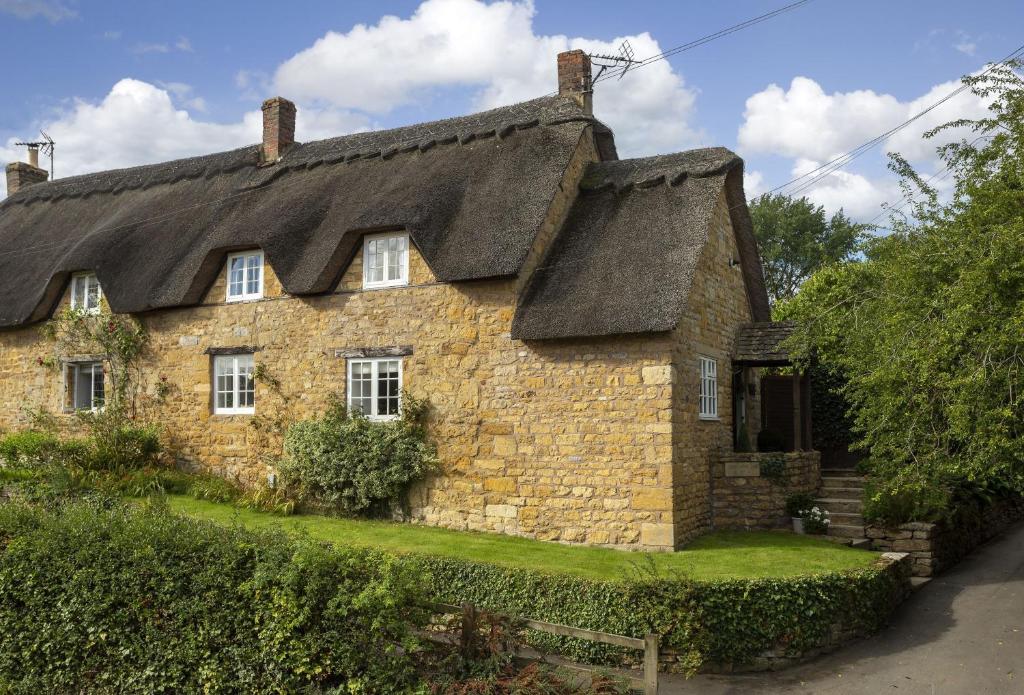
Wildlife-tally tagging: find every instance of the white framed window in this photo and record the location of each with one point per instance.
(386, 260)
(245, 276)
(234, 385)
(85, 386)
(86, 292)
(375, 387)
(707, 403)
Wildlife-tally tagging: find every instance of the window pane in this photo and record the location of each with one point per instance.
(360, 387)
(387, 387)
(83, 388)
(98, 394)
(246, 383)
(92, 290)
(254, 269)
(236, 277)
(78, 292)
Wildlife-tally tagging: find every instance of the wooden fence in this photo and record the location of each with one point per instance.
(648, 645)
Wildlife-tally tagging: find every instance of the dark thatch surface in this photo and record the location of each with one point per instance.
(625, 261)
(472, 191)
(761, 343)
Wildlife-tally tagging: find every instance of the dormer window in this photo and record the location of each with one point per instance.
(245, 276)
(86, 293)
(386, 260)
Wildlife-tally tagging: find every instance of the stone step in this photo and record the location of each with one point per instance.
(841, 531)
(864, 543)
(845, 519)
(845, 493)
(837, 505)
(829, 481)
(841, 472)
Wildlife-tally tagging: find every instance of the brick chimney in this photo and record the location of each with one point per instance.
(21, 175)
(278, 128)
(574, 78)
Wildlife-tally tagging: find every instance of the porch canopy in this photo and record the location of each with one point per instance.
(785, 400)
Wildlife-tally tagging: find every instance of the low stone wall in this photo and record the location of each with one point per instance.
(935, 547)
(744, 498)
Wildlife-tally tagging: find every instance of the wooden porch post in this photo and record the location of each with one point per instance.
(808, 421)
(798, 420)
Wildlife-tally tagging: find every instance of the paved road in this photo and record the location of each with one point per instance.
(961, 633)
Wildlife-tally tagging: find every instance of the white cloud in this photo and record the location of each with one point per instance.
(966, 44)
(805, 121)
(51, 10)
(753, 184)
(492, 49)
(183, 44)
(111, 35)
(860, 196)
(143, 48)
(138, 123)
(184, 94)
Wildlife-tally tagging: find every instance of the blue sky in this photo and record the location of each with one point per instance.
(124, 83)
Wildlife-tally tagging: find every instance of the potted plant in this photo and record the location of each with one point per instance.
(816, 521)
(797, 505)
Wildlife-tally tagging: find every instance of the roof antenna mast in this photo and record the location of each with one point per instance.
(624, 59)
(46, 145)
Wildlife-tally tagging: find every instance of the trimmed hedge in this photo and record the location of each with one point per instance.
(728, 623)
(102, 597)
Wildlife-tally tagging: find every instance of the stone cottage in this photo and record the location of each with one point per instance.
(572, 317)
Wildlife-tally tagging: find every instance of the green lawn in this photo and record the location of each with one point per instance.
(722, 554)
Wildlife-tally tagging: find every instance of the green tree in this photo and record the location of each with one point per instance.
(928, 327)
(796, 238)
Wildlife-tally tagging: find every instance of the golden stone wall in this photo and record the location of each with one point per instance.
(718, 306)
(585, 441)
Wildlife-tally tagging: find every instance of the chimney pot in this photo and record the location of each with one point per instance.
(21, 175)
(33, 155)
(574, 78)
(278, 128)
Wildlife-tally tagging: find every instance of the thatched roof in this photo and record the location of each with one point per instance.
(472, 192)
(626, 259)
(762, 343)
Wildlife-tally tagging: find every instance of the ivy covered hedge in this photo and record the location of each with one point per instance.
(705, 623)
(101, 597)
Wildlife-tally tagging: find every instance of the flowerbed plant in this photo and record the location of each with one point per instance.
(816, 520)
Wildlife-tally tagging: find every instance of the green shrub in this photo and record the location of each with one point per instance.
(213, 488)
(29, 445)
(118, 444)
(727, 622)
(135, 600)
(798, 502)
(353, 464)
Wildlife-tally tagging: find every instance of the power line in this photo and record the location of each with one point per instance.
(817, 174)
(702, 40)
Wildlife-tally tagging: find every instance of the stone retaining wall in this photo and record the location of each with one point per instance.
(743, 498)
(935, 547)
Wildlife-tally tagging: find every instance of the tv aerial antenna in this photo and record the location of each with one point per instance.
(625, 60)
(46, 145)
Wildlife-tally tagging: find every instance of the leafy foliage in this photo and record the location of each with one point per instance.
(707, 622)
(353, 464)
(798, 502)
(118, 338)
(773, 468)
(130, 599)
(795, 239)
(927, 328)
